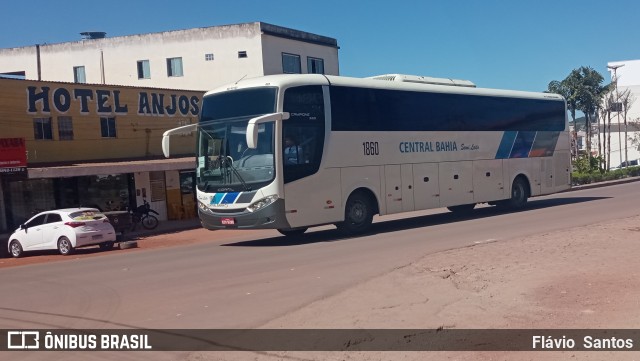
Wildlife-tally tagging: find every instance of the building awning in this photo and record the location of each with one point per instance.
(115, 167)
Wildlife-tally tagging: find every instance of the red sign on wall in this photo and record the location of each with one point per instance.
(13, 153)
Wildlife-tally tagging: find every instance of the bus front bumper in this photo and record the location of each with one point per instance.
(269, 217)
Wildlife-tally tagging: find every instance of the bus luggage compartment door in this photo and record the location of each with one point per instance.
(487, 180)
(393, 188)
(426, 188)
(456, 183)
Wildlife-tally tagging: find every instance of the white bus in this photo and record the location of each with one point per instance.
(289, 152)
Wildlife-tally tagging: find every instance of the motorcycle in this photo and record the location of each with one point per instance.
(144, 215)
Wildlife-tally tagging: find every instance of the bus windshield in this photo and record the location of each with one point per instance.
(225, 163)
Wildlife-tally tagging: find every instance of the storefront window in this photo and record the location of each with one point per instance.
(24, 199)
(105, 192)
(27, 198)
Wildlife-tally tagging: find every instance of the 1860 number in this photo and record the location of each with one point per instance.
(370, 148)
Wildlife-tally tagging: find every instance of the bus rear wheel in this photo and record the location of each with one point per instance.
(358, 214)
(290, 232)
(519, 195)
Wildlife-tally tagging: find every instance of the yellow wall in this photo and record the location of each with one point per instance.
(138, 113)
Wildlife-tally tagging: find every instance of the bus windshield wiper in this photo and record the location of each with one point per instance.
(228, 161)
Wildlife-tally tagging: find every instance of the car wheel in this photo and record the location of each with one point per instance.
(15, 248)
(289, 232)
(64, 246)
(105, 246)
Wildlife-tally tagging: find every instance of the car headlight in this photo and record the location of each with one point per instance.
(262, 203)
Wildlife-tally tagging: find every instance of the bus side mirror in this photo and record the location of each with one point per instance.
(186, 129)
(252, 127)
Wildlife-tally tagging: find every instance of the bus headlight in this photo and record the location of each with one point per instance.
(262, 203)
(203, 207)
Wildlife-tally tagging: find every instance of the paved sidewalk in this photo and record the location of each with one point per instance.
(164, 227)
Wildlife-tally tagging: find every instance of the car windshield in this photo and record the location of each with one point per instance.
(225, 163)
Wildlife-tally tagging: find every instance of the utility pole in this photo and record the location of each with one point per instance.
(615, 82)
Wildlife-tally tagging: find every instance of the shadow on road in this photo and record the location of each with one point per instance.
(333, 235)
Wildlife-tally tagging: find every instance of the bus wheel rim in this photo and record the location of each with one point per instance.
(358, 212)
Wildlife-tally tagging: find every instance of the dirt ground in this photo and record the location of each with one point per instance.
(581, 278)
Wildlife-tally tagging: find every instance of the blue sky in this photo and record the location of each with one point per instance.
(520, 45)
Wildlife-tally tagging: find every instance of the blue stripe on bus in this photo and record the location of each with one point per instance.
(522, 145)
(229, 198)
(217, 198)
(527, 144)
(544, 145)
(225, 198)
(504, 150)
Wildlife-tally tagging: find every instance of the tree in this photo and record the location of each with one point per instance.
(583, 90)
(566, 88)
(627, 99)
(590, 92)
(635, 138)
(609, 103)
(603, 113)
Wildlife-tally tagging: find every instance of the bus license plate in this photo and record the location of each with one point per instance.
(228, 221)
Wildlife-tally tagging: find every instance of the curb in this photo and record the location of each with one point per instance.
(132, 236)
(128, 244)
(603, 184)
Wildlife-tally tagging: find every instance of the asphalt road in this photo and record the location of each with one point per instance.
(247, 278)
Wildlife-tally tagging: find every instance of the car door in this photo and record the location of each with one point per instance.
(50, 231)
(33, 232)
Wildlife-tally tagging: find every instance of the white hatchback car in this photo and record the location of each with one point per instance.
(64, 230)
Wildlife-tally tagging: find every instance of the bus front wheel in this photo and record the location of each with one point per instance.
(358, 214)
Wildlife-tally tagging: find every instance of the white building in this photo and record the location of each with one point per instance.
(194, 59)
(628, 78)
